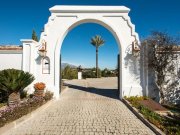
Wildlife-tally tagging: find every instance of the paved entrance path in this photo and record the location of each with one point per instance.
(85, 110)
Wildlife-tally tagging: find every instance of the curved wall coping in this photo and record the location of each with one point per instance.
(89, 9)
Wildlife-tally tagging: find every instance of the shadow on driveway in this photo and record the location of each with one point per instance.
(111, 93)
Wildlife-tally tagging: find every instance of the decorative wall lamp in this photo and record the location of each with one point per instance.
(135, 49)
(42, 50)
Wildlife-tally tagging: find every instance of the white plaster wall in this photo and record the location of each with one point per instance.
(65, 18)
(11, 59)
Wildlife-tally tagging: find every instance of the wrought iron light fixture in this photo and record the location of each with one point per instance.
(135, 49)
(42, 50)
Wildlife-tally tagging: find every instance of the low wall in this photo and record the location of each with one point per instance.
(11, 58)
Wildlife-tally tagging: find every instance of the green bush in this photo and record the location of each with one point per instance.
(48, 96)
(11, 113)
(2, 104)
(12, 80)
(108, 73)
(16, 111)
(69, 73)
(23, 94)
(91, 73)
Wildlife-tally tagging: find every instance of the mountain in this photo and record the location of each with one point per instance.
(63, 65)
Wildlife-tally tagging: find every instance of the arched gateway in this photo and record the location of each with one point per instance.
(43, 58)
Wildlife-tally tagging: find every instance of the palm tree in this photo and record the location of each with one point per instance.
(97, 41)
(13, 82)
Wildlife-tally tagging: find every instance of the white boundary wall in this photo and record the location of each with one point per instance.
(11, 59)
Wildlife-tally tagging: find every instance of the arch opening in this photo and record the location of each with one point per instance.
(61, 41)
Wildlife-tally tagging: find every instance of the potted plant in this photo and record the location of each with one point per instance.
(39, 89)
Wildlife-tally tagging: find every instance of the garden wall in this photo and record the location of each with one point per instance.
(148, 76)
(11, 57)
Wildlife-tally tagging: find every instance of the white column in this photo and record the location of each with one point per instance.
(28, 54)
(26, 57)
(79, 75)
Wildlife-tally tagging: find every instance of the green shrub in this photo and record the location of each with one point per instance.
(23, 94)
(169, 126)
(91, 73)
(12, 80)
(31, 95)
(2, 104)
(3, 96)
(69, 73)
(16, 111)
(108, 73)
(134, 100)
(48, 96)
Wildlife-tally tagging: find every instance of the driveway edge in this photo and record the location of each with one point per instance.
(156, 130)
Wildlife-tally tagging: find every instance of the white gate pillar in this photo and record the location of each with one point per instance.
(29, 54)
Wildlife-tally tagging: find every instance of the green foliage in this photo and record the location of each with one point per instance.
(160, 57)
(97, 41)
(69, 73)
(169, 126)
(2, 104)
(3, 96)
(12, 113)
(48, 96)
(150, 115)
(108, 73)
(34, 36)
(134, 100)
(12, 80)
(23, 94)
(91, 73)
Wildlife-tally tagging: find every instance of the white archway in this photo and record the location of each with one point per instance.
(65, 18)
(61, 39)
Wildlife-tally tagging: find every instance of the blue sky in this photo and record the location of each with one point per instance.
(18, 18)
(77, 49)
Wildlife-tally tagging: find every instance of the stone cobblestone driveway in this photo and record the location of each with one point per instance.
(85, 109)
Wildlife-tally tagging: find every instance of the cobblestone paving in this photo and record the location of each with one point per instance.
(84, 111)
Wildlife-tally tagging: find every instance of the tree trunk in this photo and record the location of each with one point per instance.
(96, 62)
(161, 95)
(14, 98)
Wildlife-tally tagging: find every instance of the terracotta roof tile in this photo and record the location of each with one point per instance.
(11, 47)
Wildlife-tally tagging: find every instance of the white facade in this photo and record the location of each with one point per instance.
(11, 59)
(65, 18)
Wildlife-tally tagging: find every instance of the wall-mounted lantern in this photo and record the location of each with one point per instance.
(135, 49)
(42, 50)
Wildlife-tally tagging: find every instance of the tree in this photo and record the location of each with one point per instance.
(108, 73)
(160, 59)
(14, 81)
(91, 73)
(97, 41)
(69, 73)
(34, 36)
